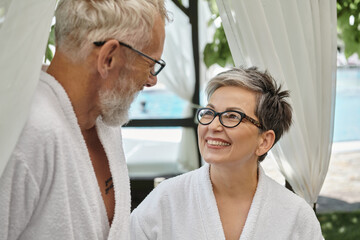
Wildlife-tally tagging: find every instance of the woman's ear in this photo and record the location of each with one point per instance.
(266, 141)
(108, 57)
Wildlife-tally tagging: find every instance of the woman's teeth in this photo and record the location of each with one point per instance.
(217, 143)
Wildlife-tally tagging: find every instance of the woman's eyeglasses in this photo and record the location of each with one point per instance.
(229, 119)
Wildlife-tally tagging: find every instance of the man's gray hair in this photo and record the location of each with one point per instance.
(272, 109)
(81, 22)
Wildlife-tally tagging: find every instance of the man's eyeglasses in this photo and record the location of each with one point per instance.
(229, 119)
(159, 65)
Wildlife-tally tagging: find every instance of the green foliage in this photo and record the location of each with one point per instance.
(213, 7)
(51, 42)
(218, 51)
(340, 225)
(350, 34)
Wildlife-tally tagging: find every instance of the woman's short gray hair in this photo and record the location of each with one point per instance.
(81, 22)
(272, 109)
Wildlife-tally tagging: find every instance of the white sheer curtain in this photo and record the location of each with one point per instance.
(296, 41)
(179, 77)
(24, 30)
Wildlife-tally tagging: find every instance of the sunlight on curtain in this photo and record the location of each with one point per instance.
(296, 41)
(24, 31)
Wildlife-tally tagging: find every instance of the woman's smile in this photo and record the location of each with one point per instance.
(217, 143)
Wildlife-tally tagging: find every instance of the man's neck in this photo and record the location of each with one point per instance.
(80, 86)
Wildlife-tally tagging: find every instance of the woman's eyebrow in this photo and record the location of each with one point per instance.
(210, 105)
(227, 109)
(235, 108)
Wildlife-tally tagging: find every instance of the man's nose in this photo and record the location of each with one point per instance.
(152, 80)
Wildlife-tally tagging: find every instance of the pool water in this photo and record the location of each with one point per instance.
(157, 104)
(165, 104)
(347, 105)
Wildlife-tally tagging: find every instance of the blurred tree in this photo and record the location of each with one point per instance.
(51, 42)
(348, 14)
(218, 51)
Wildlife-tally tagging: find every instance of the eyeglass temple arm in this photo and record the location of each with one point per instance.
(253, 121)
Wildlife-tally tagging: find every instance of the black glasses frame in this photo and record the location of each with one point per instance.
(161, 62)
(243, 115)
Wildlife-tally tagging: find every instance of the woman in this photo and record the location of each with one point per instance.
(230, 197)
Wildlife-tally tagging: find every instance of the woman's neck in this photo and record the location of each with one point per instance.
(234, 182)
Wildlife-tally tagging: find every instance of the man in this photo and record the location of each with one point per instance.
(67, 177)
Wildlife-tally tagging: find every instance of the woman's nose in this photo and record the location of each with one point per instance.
(216, 124)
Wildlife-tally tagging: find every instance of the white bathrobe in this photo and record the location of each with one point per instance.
(185, 208)
(49, 189)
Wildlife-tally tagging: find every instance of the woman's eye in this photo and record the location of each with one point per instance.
(232, 116)
(207, 113)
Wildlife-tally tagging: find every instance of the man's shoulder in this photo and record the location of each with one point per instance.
(45, 121)
(43, 132)
(46, 114)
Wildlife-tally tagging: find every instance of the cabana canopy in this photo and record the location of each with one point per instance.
(294, 40)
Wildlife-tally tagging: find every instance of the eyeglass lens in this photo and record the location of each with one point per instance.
(228, 118)
(156, 69)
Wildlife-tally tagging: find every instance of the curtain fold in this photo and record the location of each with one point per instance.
(296, 41)
(179, 74)
(179, 77)
(24, 30)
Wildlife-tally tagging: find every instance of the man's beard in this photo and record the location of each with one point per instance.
(115, 105)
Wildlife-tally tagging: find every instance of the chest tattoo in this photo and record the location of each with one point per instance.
(109, 185)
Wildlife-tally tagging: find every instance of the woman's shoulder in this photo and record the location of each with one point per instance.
(281, 190)
(172, 191)
(285, 199)
(287, 210)
(178, 184)
(168, 206)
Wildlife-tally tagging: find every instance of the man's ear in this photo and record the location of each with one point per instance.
(108, 57)
(266, 141)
